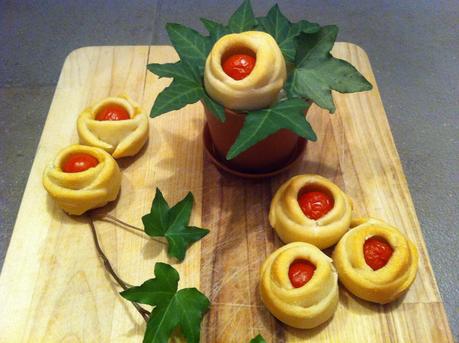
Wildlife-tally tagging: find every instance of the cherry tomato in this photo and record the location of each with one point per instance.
(79, 162)
(113, 112)
(239, 66)
(300, 272)
(377, 252)
(315, 204)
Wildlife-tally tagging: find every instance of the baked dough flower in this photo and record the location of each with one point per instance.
(79, 191)
(308, 305)
(261, 87)
(289, 219)
(396, 268)
(119, 137)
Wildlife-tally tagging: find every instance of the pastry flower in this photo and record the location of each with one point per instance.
(116, 124)
(375, 261)
(309, 208)
(261, 87)
(82, 178)
(299, 285)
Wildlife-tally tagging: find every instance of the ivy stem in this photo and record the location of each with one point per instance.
(143, 312)
(123, 223)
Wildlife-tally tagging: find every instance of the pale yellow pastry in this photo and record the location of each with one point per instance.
(382, 285)
(292, 225)
(261, 87)
(120, 138)
(309, 305)
(79, 192)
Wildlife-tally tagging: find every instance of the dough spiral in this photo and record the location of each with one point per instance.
(120, 138)
(383, 285)
(77, 193)
(307, 306)
(290, 223)
(261, 87)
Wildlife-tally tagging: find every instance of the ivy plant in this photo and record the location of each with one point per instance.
(313, 73)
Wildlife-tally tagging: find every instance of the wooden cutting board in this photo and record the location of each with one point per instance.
(54, 288)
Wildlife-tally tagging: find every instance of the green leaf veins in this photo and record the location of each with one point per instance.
(317, 72)
(288, 114)
(284, 32)
(183, 309)
(172, 223)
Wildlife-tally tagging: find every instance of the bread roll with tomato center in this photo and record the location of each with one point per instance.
(261, 87)
(302, 306)
(291, 224)
(120, 138)
(375, 274)
(78, 191)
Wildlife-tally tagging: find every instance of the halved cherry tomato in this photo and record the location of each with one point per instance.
(300, 272)
(112, 112)
(377, 252)
(79, 162)
(239, 66)
(315, 204)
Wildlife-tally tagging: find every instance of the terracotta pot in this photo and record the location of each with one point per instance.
(270, 154)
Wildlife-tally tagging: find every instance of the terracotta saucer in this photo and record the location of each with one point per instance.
(222, 166)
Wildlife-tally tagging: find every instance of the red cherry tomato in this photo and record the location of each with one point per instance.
(79, 162)
(239, 66)
(377, 252)
(300, 272)
(113, 112)
(315, 204)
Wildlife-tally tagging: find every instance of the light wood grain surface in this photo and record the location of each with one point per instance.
(54, 288)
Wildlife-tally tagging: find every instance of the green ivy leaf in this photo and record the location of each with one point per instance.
(172, 223)
(307, 27)
(288, 114)
(258, 339)
(184, 308)
(216, 30)
(191, 46)
(243, 19)
(217, 109)
(318, 72)
(179, 70)
(284, 32)
(179, 94)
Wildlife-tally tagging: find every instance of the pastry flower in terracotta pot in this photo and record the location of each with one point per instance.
(256, 77)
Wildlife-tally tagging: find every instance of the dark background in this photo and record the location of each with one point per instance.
(413, 47)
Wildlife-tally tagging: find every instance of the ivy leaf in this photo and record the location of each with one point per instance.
(183, 309)
(243, 19)
(258, 339)
(191, 46)
(178, 70)
(179, 94)
(318, 72)
(307, 27)
(172, 223)
(217, 109)
(284, 32)
(186, 88)
(216, 30)
(288, 114)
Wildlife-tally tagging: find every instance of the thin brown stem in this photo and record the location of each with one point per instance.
(123, 223)
(143, 312)
(119, 221)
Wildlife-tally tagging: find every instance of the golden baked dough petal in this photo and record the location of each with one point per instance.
(261, 87)
(120, 138)
(383, 285)
(290, 223)
(77, 193)
(307, 306)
